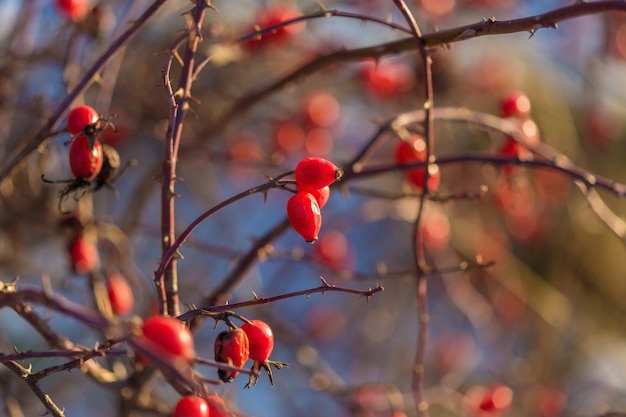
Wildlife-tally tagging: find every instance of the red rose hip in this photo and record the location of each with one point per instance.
(304, 215)
(261, 339)
(191, 406)
(170, 336)
(80, 117)
(85, 161)
(314, 173)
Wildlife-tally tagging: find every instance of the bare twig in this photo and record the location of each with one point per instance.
(24, 374)
(324, 288)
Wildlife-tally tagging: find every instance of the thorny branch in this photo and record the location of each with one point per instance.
(490, 26)
(323, 289)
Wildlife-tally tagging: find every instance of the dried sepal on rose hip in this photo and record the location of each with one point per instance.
(167, 336)
(314, 173)
(261, 339)
(231, 347)
(303, 212)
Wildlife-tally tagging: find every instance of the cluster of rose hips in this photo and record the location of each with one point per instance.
(313, 178)
(93, 164)
(169, 338)
(253, 340)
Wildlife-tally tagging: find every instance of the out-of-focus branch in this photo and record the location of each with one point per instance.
(24, 374)
(489, 26)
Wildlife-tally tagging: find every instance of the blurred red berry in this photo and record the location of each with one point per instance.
(84, 257)
(387, 78)
(515, 104)
(274, 16)
(169, 336)
(496, 398)
(436, 230)
(217, 406)
(414, 150)
(120, 294)
(333, 250)
(73, 9)
(322, 109)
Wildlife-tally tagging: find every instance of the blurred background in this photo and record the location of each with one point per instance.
(538, 333)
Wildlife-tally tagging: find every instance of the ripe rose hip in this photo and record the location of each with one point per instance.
(192, 406)
(231, 347)
(120, 294)
(414, 150)
(169, 336)
(304, 215)
(261, 339)
(73, 9)
(85, 161)
(80, 117)
(515, 104)
(314, 173)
